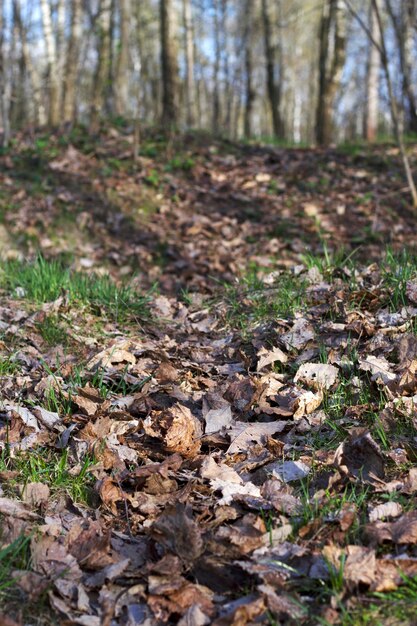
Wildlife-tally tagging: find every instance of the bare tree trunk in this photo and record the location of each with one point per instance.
(404, 31)
(102, 67)
(216, 70)
(39, 113)
(331, 63)
(273, 87)
(60, 50)
(52, 68)
(121, 82)
(228, 81)
(137, 71)
(189, 62)
(394, 108)
(372, 80)
(250, 94)
(391, 96)
(5, 84)
(168, 66)
(73, 53)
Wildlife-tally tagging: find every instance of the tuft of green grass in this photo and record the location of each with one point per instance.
(180, 162)
(330, 261)
(397, 269)
(8, 365)
(153, 178)
(53, 469)
(251, 301)
(52, 331)
(45, 280)
(16, 555)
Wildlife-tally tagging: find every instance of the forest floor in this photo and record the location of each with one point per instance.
(208, 383)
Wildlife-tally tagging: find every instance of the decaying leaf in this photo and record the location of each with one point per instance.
(179, 532)
(360, 456)
(300, 334)
(243, 435)
(177, 428)
(267, 357)
(317, 375)
(379, 368)
(35, 494)
(385, 510)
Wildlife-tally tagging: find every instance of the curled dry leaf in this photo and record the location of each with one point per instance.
(117, 353)
(110, 493)
(177, 428)
(306, 403)
(387, 509)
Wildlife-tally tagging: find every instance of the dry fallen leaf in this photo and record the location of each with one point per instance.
(35, 494)
(14, 508)
(267, 357)
(317, 375)
(243, 435)
(387, 509)
(379, 368)
(360, 456)
(177, 428)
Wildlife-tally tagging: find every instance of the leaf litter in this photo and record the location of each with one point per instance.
(238, 455)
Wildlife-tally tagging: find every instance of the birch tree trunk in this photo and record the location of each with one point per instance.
(331, 63)
(273, 87)
(52, 67)
(121, 79)
(169, 68)
(103, 61)
(372, 80)
(189, 63)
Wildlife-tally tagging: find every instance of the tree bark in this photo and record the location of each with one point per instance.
(272, 85)
(189, 62)
(121, 81)
(54, 113)
(39, 112)
(169, 67)
(372, 81)
(71, 70)
(403, 25)
(5, 85)
(216, 70)
(331, 63)
(103, 61)
(250, 93)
